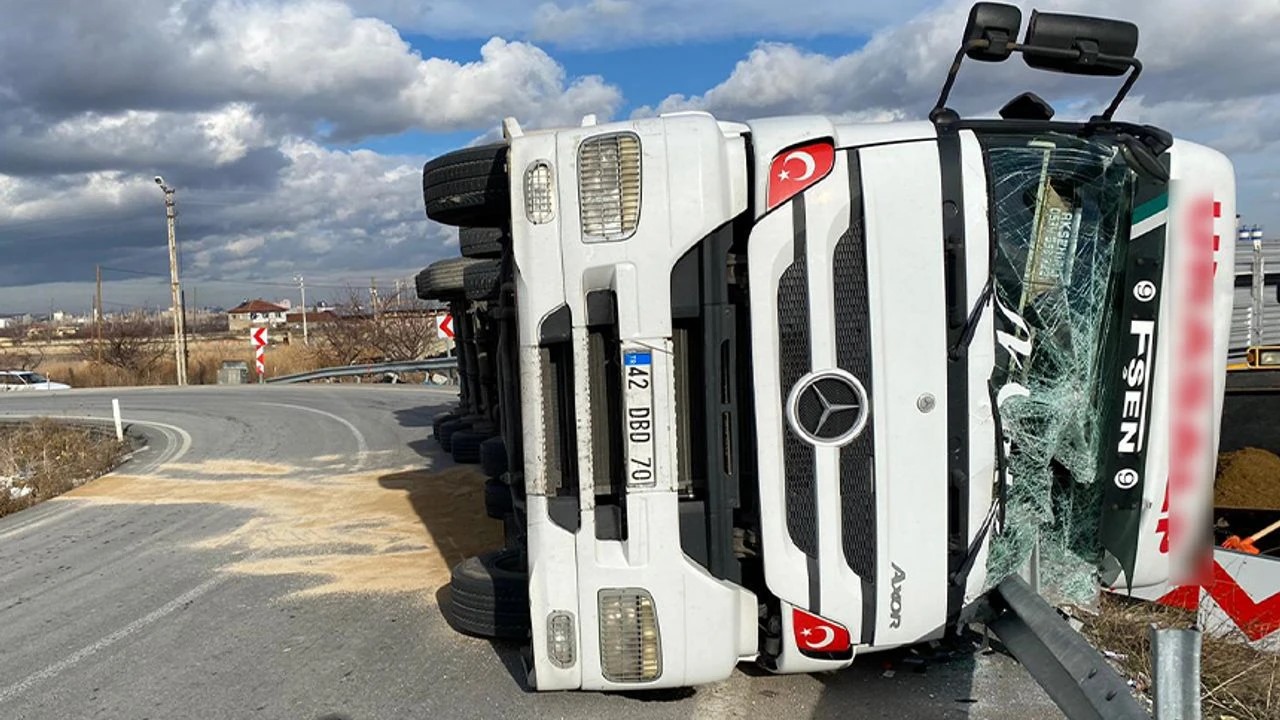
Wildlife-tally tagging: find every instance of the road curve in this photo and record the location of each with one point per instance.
(276, 552)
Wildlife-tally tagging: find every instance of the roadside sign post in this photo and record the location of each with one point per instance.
(444, 331)
(258, 336)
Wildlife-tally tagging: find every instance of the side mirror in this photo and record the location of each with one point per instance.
(992, 31)
(1079, 45)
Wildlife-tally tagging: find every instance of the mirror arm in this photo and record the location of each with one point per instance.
(980, 43)
(1128, 82)
(1073, 54)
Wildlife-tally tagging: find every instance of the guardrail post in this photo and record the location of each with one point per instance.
(1175, 668)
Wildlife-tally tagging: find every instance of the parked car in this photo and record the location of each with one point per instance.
(27, 380)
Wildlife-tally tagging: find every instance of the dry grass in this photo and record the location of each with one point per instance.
(1236, 681)
(204, 358)
(43, 459)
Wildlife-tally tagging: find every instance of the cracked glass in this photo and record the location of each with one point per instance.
(1061, 207)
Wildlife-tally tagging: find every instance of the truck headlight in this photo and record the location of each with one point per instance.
(609, 186)
(630, 643)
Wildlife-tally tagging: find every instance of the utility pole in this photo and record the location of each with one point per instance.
(302, 286)
(373, 297)
(179, 329)
(97, 314)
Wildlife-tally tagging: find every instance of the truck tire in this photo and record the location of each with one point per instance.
(447, 430)
(497, 499)
(441, 419)
(489, 596)
(481, 243)
(421, 286)
(468, 187)
(446, 279)
(482, 280)
(464, 445)
(493, 457)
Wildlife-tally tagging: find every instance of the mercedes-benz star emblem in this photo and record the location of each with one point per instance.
(828, 408)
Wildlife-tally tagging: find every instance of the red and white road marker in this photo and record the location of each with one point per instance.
(258, 336)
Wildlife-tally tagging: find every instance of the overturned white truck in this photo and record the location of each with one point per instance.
(790, 390)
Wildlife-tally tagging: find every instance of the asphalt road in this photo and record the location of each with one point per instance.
(276, 552)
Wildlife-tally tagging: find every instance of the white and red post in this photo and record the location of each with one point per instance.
(259, 339)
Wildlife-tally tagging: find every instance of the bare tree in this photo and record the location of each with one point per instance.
(394, 327)
(345, 338)
(403, 329)
(22, 357)
(134, 343)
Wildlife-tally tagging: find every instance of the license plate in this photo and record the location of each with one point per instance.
(637, 375)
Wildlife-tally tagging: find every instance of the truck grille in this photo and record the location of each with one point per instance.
(853, 354)
(794, 360)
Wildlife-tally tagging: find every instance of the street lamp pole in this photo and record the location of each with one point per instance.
(302, 285)
(175, 286)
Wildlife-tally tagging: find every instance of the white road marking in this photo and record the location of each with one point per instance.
(57, 668)
(177, 440)
(362, 447)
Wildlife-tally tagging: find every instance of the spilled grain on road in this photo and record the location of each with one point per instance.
(389, 531)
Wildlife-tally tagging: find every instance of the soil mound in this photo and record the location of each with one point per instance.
(1248, 478)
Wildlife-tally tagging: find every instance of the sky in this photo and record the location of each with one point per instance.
(294, 131)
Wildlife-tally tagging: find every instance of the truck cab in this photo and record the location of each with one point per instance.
(791, 390)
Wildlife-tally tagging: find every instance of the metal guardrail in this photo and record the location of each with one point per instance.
(1072, 672)
(450, 363)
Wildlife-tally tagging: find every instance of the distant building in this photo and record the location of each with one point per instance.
(256, 313)
(315, 316)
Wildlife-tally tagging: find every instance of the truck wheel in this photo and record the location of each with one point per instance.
(481, 242)
(497, 499)
(493, 457)
(441, 419)
(465, 446)
(447, 431)
(468, 187)
(446, 279)
(482, 280)
(489, 596)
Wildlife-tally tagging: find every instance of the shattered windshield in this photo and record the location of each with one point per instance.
(1061, 207)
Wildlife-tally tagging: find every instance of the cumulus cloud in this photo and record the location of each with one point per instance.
(133, 139)
(238, 103)
(301, 63)
(902, 67)
(1189, 84)
(338, 216)
(241, 103)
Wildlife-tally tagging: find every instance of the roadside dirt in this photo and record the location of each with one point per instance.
(1236, 680)
(397, 531)
(1248, 478)
(42, 459)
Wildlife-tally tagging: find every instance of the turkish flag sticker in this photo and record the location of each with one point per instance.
(817, 637)
(795, 169)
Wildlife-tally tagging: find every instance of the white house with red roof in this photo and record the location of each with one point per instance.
(256, 313)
